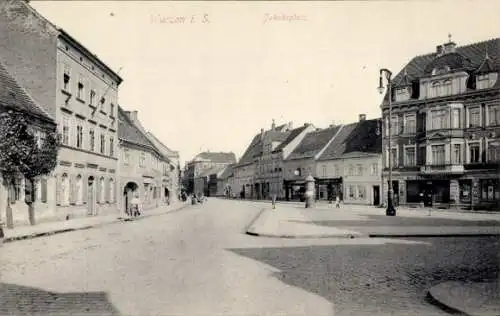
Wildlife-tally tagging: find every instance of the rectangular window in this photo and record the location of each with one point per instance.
(142, 161)
(456, 154)
(92, 97)
(475, 117)
(324, 171)
(494, 115)
(67, 78)
(438, 119)
(494, 152)
(359, 170)
(361, 191)
(111, 109)
(483, 82)
(490, 190)
(410, 156)
(351, 191)
(103, 143)
(455, 118)
(438, 154)
(374, 169)
(81, 85)
(410, 124)
(65, 130)
(79, 135)
(126, 156)
(474, 153)
(91, 139)
(111, 146)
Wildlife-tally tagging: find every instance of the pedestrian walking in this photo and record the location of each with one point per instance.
(135, 206)
(337, 202)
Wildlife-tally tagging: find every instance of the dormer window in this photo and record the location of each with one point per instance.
(485, 81)
(402, 94)
(441, 70)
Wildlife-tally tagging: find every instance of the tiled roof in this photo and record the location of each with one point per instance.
(129, 132)
(470, 57)
(228, 172)
(13, 96)
(251, 151)
(291, 136)
(355, 140)
(313, 142)
(212, 170)
(167, 150)
(219, 157)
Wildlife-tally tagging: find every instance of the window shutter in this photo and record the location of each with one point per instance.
(106, 190)
(72, 189)
(43, 189)
(58, 189)
(85, 186)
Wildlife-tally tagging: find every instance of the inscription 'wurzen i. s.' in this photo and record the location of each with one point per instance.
(179, 19)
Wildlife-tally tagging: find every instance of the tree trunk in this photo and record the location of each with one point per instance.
(8, 212)
(31, 213)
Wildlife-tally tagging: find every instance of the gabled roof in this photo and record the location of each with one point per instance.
(127, 131)
(251, 151)
(291, 136)
(217, 157)
(355, 140)
(313, 143)
(166, 150)
(227, 172)
(211, 171)
(13, 96)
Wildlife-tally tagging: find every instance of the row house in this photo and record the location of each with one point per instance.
(302, 160)
(141, 164)
(202, 163)
(446, 127)
(350, 167)
(206, 183)
(171, 170)
(81, 92)
(14, 98)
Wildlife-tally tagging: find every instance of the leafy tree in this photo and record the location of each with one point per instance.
(21, 156)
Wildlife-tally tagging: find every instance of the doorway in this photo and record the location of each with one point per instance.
(128, 194)
(376, 195)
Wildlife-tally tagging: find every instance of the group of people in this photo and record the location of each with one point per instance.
(135, 206)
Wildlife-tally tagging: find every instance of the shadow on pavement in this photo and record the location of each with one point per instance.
(23, 300)
(381, 279)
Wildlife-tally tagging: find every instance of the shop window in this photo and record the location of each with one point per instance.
(465, 191)
(490, 190)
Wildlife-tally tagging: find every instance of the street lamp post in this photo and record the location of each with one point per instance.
(390, 211)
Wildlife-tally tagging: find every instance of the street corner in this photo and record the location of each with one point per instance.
(466, 298)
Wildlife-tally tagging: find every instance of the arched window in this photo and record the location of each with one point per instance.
(65, 189)
(102, 190)
(79, 190)
(111, 190)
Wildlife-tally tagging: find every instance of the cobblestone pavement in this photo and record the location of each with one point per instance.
(198, 262)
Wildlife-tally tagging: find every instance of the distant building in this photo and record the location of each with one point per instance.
(206, 182)
(14, 97)
(203, 162)
(302, 160)
(446, 128)
(350, 167)
(225, 182)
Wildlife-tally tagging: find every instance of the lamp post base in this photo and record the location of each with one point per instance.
(390, 210)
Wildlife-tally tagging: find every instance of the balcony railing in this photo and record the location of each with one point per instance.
(447, 167)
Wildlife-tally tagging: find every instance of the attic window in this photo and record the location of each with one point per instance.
(441, 70)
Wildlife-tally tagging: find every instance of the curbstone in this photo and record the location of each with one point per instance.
(434, 299)
(247, 229)
(97, 225)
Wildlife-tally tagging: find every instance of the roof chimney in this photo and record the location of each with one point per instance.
(261, 134)
(362, 117)
(273, 125)
(290, 125)
(439, 50)
(449, 47)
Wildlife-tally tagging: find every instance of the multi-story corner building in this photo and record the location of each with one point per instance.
(171, 185)
(206, 183)
(203, 162)
(14, 97)
(302, 160)
(350, 167)
(141, 168)
(446, 127)
(81, 92)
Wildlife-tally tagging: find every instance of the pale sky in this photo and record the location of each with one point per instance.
(214, 85)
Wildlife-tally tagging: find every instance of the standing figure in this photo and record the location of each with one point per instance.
(337, 202)
(135, 205)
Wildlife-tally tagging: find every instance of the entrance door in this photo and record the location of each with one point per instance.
(376, 195)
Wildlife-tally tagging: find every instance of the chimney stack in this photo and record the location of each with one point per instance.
(362, 117)
(439, 50)
(132, 115)
(273, 126)
(261, 134)
(290, 125)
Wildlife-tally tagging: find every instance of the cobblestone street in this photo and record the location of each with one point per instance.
(198, 262)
